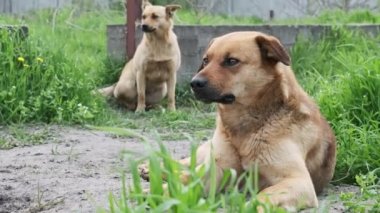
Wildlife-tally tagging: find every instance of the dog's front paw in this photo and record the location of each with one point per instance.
(140, 109)
(144, 171)
(171, 107)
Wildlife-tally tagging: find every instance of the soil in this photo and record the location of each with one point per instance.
(76, 169)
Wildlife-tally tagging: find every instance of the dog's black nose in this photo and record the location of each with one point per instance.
(198, 82)
(145, 27)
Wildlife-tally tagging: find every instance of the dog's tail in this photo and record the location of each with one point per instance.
(107, 91)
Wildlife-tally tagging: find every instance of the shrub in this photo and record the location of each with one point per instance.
(40, 85)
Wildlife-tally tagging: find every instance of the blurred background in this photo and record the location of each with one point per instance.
(265, 10)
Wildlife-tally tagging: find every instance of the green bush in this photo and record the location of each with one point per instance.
(40, 85)
(49, 76)
(355, 16)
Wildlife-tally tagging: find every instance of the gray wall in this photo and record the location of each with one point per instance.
(193, 40)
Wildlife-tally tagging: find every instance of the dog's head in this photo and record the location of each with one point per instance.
(157, 18)
(238, 66)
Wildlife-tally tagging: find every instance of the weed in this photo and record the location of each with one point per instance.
(40, 194)
(54, 150)
(368, 200)
(40, 204)
(16, 135)
(71, 154)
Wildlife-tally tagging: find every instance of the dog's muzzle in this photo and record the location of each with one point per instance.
(147, 29)
(206, 93)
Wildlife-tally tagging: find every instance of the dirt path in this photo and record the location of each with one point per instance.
(77, 173)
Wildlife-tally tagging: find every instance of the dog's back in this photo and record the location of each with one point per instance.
(318, 138)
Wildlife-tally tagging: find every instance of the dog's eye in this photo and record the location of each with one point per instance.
(229, 62)
(154, 16)
(144, 16)
(205, 62)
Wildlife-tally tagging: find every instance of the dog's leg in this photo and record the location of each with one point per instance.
(205, 156)
(171, 83)
(141, 86)
(291, 193)
(220, 152)
(201, 153)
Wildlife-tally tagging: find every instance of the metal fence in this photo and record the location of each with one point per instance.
(22, 6)
(280, 9)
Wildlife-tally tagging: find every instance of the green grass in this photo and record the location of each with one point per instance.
(185, 198)
(169, 126)
(339, 17)
(202, 18)
(336, 17)
(48, 77)
(342, 72)
(368, 200)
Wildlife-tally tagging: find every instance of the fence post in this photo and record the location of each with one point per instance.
(133, 9)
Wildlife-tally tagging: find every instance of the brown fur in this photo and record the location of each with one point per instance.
(264, 117)
(151, 74)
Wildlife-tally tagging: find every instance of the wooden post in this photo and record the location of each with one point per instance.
(133, 9)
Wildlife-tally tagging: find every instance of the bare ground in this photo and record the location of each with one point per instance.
(76, 169)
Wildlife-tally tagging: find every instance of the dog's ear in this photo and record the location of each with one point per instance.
(145, 3)
(203, 63)
(272, 50)
(170, 9)
(210, 43)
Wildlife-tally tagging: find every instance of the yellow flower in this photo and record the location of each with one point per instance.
(26, 65)
(21, 59)
(39, 59)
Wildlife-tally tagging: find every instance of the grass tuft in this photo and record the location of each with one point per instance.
(178, 197)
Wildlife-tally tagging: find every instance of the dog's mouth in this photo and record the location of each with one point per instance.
(206, 92)
(227, 99)
(211, 95)
(147, 29)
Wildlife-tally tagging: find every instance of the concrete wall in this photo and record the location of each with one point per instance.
(193, 40)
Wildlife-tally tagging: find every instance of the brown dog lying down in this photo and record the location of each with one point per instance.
(151, 74)
(264, 117)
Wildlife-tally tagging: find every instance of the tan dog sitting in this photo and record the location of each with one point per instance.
(265, 118)
(151, 74)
